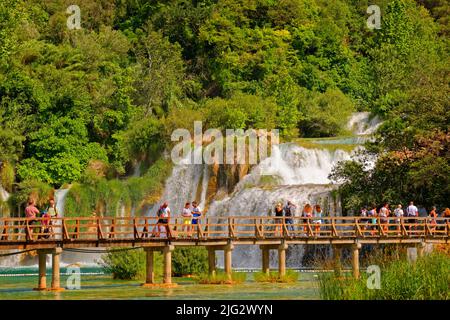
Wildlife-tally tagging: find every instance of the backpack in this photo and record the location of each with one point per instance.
(160, 212)
(287, 211)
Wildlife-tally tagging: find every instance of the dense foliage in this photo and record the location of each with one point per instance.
(112, 92)
(426, 279)
(130, 263)
(190, 261)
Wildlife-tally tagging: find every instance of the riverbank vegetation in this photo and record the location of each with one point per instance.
(111, 93)
(221, 277)
(274, 277)
(426, 279)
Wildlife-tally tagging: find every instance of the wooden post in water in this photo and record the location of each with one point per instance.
(337, 259)
(265, 259)
(42, 282)
(355, 259)
(282, 259)
(150, 272)
(167, 252)
(227, 255)
(212, 261)
(56, 254)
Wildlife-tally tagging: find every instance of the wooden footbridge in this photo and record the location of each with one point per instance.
(214, 233)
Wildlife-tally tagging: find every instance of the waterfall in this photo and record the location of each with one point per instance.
(363, 123)
(4, 195)
(291, 164)
(60, 200)
(296, 174)
(183, 186)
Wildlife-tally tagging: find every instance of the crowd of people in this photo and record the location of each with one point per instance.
(386, 216)
(191, 215)
(372, 218)
(288, 211)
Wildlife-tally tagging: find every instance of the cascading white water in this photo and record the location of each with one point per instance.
(300, 175)
(60, 200)
(363, 123)
(183, 186)
(291, 164)
(4, 195)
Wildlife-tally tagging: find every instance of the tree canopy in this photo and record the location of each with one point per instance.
(113, 90)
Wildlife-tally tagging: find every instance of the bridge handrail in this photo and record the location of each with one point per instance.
(212, 227)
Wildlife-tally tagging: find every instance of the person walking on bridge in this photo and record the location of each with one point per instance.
(384, 216)
(196, 215)
(289, 213)
(31, 212)
(317, 214)
(412, 212)
(52, 212)
(279, 212)
(398, 213)
(163, 221)
(433, 221)
(307, 214)
(374, 217)
(186, 229)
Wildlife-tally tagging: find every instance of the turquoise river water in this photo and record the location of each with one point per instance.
(18, 283)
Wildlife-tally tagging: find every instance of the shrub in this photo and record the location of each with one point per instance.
(187, 261)
(129, 264)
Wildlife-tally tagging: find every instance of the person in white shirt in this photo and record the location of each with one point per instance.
(384, 216)
(398, 212)
(163, 221)
(187, 219)
(412, 211)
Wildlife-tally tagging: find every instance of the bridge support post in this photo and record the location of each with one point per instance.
(420, 249)
(265, 260)
(337, 250)
(56, 254)
(355, 259)
(227, 255)
(212, 261)
(282, 259)
(42, 282)
(150, 272)
(167, 252)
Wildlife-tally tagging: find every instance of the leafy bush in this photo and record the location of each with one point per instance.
(7, 176)
(187, 261)
(39, 191)
(104, 195)
(129, 264)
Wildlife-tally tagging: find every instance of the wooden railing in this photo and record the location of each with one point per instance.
(82, 229)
